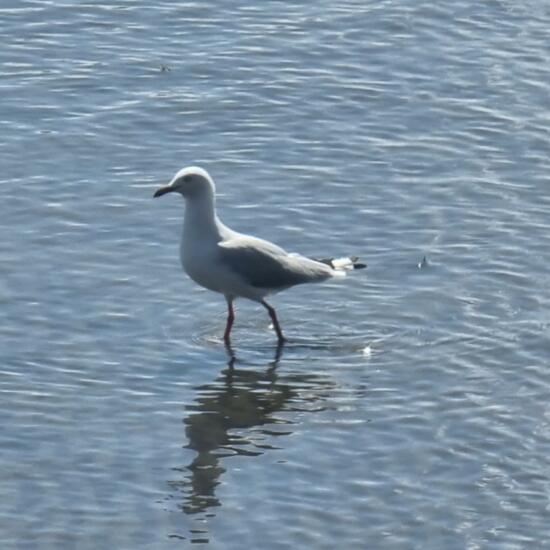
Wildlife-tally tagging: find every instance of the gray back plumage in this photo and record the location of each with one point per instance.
(264, 265)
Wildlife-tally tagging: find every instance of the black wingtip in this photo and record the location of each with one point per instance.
(325, 261)
(353, 259)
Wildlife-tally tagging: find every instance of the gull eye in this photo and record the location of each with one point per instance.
(187, 179)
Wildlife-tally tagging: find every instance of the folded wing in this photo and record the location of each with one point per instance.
(264, 265)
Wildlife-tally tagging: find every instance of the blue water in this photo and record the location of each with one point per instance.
(411, 406)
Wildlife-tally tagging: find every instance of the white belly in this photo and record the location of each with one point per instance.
(208, 271)
(201, 268)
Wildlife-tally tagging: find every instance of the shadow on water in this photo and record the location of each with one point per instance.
(241, 413)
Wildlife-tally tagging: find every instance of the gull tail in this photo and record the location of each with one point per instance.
(344, 263)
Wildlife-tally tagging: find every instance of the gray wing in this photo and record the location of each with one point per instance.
(264, 265)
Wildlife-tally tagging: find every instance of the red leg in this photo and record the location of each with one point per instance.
(275, 322)
(230, 319)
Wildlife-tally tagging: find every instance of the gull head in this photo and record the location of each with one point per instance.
(190, 182)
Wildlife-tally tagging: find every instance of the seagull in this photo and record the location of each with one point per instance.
(234, 264)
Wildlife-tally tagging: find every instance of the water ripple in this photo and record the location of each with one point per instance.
(410, 406)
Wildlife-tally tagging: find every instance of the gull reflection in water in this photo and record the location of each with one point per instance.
(240, 413)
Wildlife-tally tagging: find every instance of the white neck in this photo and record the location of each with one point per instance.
(200, 219)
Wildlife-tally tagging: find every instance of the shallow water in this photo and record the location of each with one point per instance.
(410, 407)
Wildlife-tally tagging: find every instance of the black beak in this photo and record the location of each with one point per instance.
(162, 191)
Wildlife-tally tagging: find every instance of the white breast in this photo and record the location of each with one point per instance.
(199, 263)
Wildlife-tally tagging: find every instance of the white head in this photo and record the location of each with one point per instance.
(191, 182)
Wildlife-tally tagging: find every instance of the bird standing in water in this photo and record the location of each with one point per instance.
(234, 264)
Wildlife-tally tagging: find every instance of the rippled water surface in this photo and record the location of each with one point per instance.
(411, 406)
